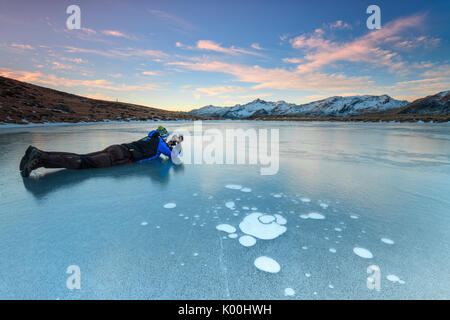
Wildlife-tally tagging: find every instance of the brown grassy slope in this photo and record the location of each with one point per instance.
(22, 102)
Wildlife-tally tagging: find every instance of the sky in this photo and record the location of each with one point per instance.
(180, 55)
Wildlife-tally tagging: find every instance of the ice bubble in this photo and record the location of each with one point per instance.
(253, 226)
(245, 208)
(289, 292)
(195, 254)
(280, 219)
(363, 253)
(332, 250)
(307, 275)
(230, 205)
(305, 200)
(233, 186)
(305, 248)
(247, 241)
(330, 286)
(246, 190)
(387, 240)
(254, 208)
(323, 205)
(354, 216)
(226, 227)
(394, 278)
(338, 229)
(144, 223)
(313, 215)
(170, 205)
(195, 194)
(267, 264)
(233, 235)
(277, 195)
(267, 218)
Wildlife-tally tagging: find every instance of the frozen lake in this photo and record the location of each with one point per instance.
(347, 196)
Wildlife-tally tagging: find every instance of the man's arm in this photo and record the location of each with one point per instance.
(164, 148)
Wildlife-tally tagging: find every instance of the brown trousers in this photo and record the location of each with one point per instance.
(111, 156)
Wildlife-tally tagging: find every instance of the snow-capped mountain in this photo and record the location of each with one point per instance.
(348, 106)
(333, 106)
(239, 111)
(435, 104)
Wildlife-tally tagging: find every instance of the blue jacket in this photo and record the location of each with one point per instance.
(162, 148)
(148, 148)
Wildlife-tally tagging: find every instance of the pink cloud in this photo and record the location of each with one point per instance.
(22, 46)
(339, 25)
(57, 65)
(256, 46)
(177, 23)
(292, 60)
(367, 49)
(214, 91)
(150, 73)
(213, 46)
(50, 79)
(118, 34)
(277, 78)
(124, 52)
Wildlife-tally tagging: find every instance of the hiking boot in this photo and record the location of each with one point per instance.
(33, 162)
(25, 157)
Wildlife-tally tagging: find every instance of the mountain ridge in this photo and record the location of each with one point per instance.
(23, 103)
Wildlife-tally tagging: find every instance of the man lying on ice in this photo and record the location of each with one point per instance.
(147, 148)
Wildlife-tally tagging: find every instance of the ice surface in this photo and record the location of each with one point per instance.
(96, 218)
(267, 264)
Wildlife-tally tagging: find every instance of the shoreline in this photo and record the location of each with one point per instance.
(4, 125)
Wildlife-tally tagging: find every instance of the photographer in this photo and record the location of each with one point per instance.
(147, 148)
